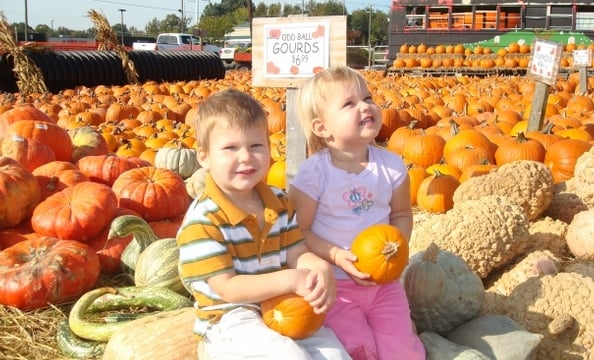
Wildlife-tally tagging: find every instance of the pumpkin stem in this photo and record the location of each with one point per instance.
(431, 253)
(390, 249)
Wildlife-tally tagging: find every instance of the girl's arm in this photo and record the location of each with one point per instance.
(401, 214)
(306, 209)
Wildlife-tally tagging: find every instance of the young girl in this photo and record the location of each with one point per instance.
(239, 243)
(346, 185)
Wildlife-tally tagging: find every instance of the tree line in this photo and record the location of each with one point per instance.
(367, 25)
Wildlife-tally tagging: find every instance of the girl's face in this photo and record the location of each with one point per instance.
(236, 159)
(349, 118)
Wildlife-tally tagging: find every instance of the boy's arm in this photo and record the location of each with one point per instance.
(235, 288)
(401, 214)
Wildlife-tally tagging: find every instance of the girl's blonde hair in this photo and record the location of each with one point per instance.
(315, 92)
(231, 107)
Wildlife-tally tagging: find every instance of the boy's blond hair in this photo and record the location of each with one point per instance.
(231, 107)
(315, 92)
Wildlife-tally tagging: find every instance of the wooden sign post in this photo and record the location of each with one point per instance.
(543, 68)
(582, 59)
(286, 51)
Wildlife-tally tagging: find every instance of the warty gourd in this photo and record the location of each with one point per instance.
(549, 234)
(534, 264)
(558, 306)
(576, 194)
(443, 292)
(487, 233)
(567, 201)
(529, 183)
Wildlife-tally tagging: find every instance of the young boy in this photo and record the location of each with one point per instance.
(239, 243)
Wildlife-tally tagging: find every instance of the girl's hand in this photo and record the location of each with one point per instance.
(345, 260)
(323, 288)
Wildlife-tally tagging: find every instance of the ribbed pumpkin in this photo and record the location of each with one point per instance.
(442, 290)
(105, 169)
(382, 252)
(56, 176)
(179, 159)
(19, 193)
(30, 153)
(291, 315)
(157, 265)
(154, 193)
(78, 212)
(49, 133)
(436, 193)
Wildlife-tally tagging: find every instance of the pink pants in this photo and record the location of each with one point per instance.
(373, 323)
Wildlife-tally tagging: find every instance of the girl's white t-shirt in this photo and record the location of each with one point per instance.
(347, 202)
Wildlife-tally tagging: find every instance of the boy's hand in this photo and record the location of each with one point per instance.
(345, 260)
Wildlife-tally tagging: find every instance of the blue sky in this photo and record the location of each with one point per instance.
(72, 14)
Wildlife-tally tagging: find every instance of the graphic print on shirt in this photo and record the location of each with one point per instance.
(358, 199)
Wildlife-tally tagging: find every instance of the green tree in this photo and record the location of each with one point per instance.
(152, 27)
(43, 29)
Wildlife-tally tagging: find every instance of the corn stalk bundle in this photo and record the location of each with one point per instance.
(108, 41)
(30, 78)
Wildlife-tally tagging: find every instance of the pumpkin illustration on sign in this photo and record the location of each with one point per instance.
(290, 315)
(274, 34)
(319, 32)
(382, 252)
(271, 68)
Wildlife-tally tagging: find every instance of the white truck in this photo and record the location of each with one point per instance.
(176, 41)
(228, 50)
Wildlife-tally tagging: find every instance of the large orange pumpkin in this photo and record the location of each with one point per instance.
(37, 272)
(290, 315)
(49, 133)
(19, 193)
(382, 252)
(78, 212)
(155, 193)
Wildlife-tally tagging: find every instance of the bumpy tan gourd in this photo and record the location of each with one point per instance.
(487, 233)
(529, 183)
(535, 264)
(442, 290)
(543, 304)
(584, 171)
(195, 183)
(549, 234)
(567, 201)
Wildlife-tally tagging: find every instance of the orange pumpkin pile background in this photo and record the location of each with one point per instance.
(73, 161)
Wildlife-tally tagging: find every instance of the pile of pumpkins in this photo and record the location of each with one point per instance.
(91, 178)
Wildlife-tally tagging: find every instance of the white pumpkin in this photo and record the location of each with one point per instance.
(181, 160)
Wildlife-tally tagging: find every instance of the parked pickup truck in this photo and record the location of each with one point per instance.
(176, 41)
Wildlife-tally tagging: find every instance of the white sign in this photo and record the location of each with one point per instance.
(582, 58)
(545, 60)
(296, 50)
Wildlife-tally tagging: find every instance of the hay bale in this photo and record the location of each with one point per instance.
(166, 335)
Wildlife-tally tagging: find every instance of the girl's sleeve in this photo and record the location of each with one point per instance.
(309, 178)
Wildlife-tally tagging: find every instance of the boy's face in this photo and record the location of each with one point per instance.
(236, 159)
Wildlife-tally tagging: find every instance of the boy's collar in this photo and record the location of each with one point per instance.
(234, 213)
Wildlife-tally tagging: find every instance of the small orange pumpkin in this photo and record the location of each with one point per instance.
(382, 252)
(290, 315)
